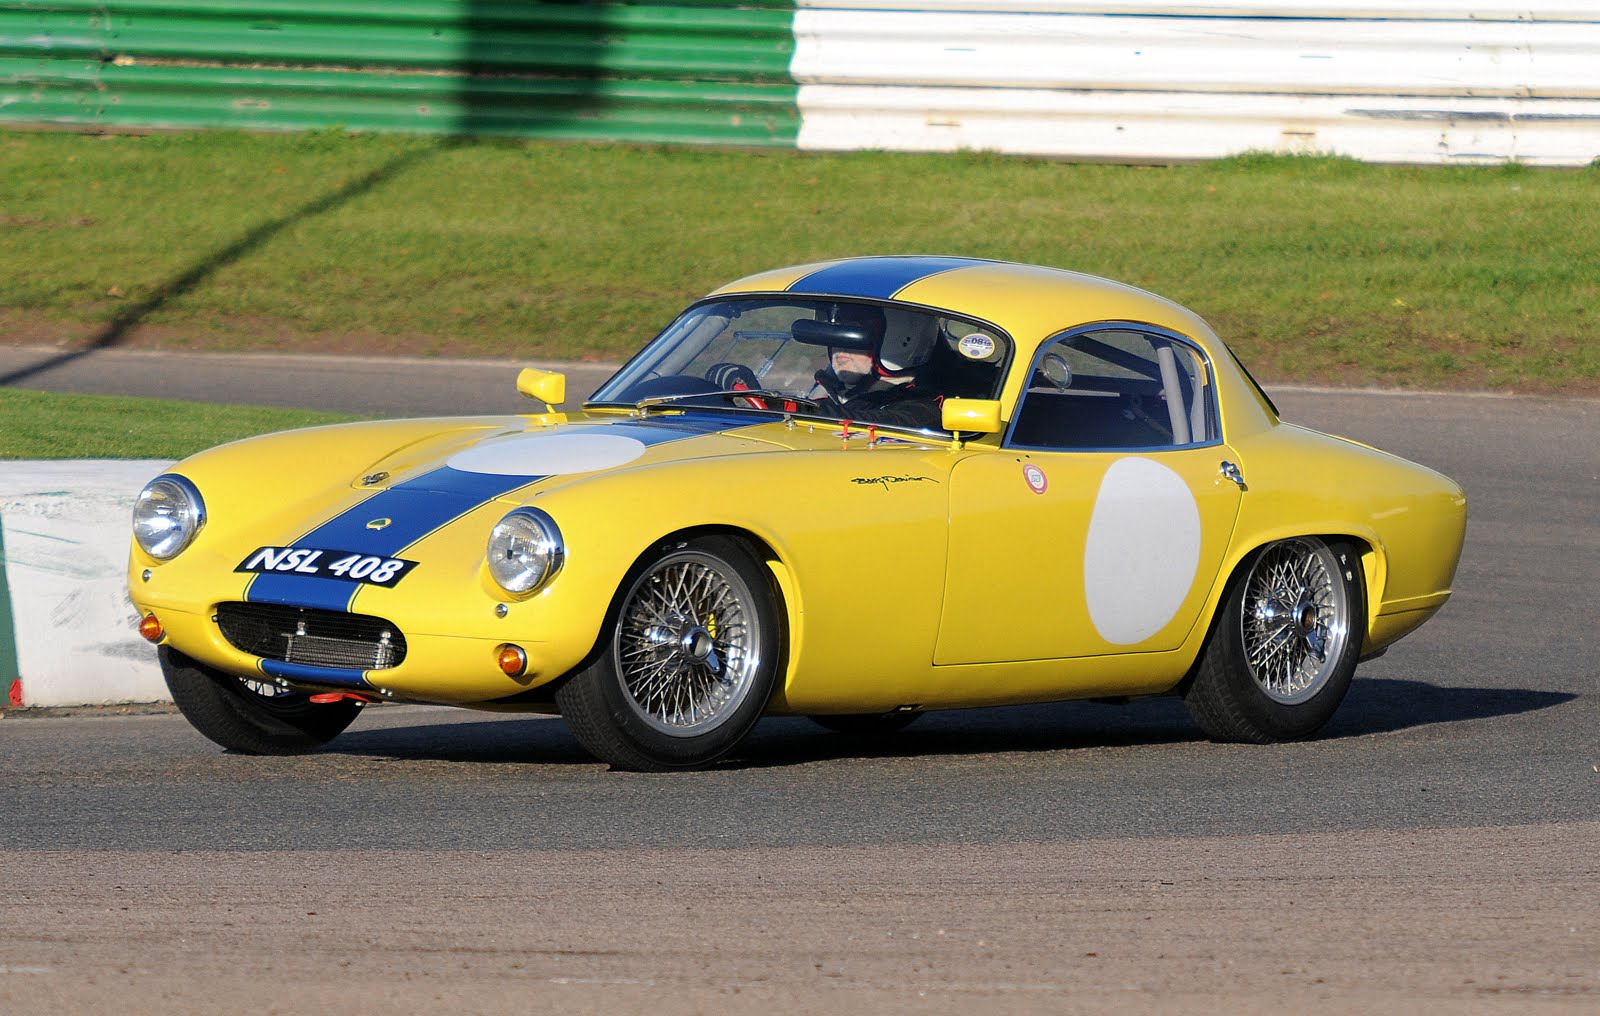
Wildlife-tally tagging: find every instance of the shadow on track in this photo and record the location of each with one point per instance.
(530, 740)
(1374, 706)
(1387, 705)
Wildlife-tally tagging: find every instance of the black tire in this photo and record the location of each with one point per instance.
(673, 685)
(866, 724)
(1281, 654)
(241, 718)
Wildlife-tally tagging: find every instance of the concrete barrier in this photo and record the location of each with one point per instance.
(63, 563)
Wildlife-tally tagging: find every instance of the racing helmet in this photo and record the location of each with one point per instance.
(865, 315)
(908, 342)
(862, 336)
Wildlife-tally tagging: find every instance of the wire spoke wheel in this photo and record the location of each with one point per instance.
(1296, 620)
(272, 693)
(1284, 646)
(691, 657)
(688, 643)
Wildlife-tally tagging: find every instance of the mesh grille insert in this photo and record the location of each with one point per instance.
(318, 638)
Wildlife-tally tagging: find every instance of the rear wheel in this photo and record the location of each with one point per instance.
(1280, 657)
(251, 717)
(688, 664)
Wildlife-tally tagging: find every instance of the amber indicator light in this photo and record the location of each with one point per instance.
(513, 661)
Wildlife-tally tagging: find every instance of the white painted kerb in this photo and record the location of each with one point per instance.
(66, 542)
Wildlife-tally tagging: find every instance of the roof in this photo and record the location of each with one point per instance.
(1029, 302)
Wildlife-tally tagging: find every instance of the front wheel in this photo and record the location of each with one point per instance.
(251, 717)
(687, 664)
(1281, 655)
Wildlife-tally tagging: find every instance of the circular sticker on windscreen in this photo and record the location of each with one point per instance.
(976, 346)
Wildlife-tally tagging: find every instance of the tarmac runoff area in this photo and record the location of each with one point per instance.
(1474, 920)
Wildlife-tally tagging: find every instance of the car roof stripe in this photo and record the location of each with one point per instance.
(880, 277)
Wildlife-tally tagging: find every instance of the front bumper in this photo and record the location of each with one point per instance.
(447, 669)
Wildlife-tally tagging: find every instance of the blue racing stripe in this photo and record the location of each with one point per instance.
(428, 501)
(415, 508)
(661, 429)
(877, 277)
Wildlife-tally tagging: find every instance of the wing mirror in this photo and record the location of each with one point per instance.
(546, 386)
(980, 416)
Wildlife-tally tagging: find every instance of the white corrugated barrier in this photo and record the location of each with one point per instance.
(1437, 10)
(1417, 81)
(66, 546)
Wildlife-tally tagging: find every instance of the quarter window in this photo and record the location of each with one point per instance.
(1116, 388)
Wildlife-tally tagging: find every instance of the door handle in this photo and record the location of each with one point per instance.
(1230, 471)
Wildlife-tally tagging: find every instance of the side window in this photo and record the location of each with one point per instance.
(1116, 388)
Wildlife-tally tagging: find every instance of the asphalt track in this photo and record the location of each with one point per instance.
(1435, 846)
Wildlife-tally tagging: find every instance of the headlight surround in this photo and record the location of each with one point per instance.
(167, 516)
(525, 550)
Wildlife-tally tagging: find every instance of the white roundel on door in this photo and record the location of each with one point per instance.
(1142, 551)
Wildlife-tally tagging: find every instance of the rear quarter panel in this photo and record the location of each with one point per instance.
(1411, 519)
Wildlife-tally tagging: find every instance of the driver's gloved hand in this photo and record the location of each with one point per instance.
(832, 385)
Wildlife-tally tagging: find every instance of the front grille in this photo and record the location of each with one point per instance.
(317, 638)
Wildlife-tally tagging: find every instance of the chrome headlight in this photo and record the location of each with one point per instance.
(167, 516)
(525, 550)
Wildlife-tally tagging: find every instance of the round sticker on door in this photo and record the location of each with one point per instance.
(976, 346)
(1035, 477)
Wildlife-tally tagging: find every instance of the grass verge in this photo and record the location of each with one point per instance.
(1319, 270)
(49, 425)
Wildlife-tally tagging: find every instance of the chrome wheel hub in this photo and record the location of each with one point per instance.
(688, 644)
(689, 641)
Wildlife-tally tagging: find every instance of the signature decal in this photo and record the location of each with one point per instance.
(885, 481)
(328, 564)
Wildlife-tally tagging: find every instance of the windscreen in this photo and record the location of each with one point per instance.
(875, 362)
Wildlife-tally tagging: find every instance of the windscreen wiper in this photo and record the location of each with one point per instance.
(765, 394)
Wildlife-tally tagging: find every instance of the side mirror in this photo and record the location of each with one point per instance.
(547, 386)
(979, 415)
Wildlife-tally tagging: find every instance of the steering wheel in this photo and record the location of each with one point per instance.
(732, 376)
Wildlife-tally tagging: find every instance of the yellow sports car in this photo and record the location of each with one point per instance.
(856, 491)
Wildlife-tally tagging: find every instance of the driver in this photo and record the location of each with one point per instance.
(860, 385)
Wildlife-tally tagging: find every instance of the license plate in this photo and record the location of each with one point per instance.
(322, 563)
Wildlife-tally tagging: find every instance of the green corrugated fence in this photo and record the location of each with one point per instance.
(706, 72)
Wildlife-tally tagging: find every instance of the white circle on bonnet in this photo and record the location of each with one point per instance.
(547, 454)
(1143, 550)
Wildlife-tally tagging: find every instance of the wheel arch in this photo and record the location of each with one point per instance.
(1373, 575)
(783, 588)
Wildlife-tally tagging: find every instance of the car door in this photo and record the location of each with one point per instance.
(1100, 524)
